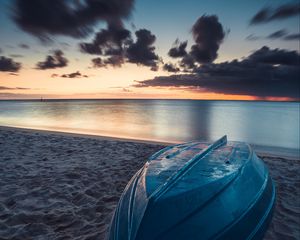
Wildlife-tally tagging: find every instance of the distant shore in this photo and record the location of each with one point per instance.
(38, 99)
(58, 185)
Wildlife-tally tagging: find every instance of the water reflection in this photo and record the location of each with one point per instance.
(265, 123)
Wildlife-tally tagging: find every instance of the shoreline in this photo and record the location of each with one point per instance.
(87, 135)
(270, 151)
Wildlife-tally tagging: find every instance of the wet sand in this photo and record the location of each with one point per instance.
(66, 186)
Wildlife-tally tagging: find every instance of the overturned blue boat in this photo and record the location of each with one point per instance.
(197, 190)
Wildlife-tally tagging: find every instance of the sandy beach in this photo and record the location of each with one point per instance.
(66, 186)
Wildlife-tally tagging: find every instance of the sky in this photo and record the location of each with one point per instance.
(193, 49)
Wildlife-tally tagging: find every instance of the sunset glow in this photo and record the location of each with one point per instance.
(241, 37)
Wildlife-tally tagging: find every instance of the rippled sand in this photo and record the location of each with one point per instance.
(54, 186)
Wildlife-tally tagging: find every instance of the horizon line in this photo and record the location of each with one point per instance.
(175, 99)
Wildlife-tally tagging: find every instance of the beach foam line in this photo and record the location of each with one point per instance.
(86, 135)
(270, 151)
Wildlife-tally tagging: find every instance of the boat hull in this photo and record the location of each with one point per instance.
(222, 192)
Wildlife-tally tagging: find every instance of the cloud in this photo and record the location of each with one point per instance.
(169, 67)
(115, 61)
(281, 12)
(116, 47)
(126, 90)
(13, 88)
(261, 16)
(275, 56)
(64, 17)
(187, 62)
(265, 73)
(57, 60)
(290, 37)
(76, 74)
(278, 34)
(24, 46)
(178, 50)
(286, 11)
(208, 34)
(1, 50)
(108, 41)
(97, 62)
(9, 65)
(142, 52)
(252, 37)
(16, 55)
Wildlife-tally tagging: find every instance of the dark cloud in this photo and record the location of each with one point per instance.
(110, 41)
(13, 88)
(24, 46)
(97, 62)
(169, 67)
(9, 65)
(76, 74)
(187, 62)
(286, 11)
(282, 12)
(116, 47)
(261, 16)
(290, 37)
(208, 34)
(142, 52)
(265, 73)
(57, 60)
(90, 48)
(252, 37)
(275, 56)
(278, 34)
(178, 50)
(67, 17)
(154, 68)
(115, 61)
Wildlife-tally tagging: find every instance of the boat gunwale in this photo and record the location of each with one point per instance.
(160, 152)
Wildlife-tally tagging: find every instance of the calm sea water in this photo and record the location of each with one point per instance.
(263, 123)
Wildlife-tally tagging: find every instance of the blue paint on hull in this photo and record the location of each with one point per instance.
(197, 190)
